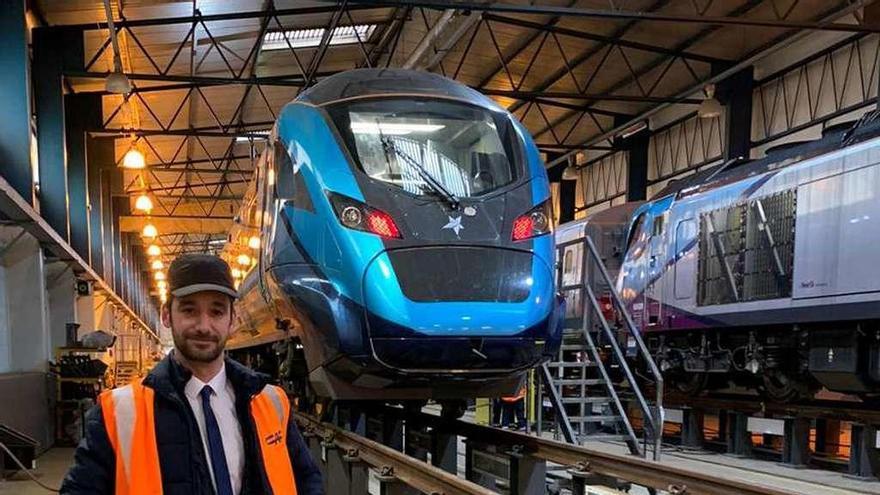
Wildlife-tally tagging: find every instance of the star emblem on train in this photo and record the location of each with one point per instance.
(454, 224)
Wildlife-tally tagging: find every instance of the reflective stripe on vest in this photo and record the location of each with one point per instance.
(271, 411)
(128, 416)
(130, 423)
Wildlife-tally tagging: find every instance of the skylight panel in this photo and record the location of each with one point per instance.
(307, 38)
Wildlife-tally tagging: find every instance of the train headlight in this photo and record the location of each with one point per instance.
(356, 215)
(533, 223)
(352, 217)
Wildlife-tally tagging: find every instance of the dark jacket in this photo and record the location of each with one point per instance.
(182, 458)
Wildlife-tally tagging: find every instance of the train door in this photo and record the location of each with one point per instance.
(653, 302)
(572, 258)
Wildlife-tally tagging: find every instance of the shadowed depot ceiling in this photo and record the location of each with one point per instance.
(209, 76)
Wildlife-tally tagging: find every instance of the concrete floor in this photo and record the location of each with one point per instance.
(51, 468)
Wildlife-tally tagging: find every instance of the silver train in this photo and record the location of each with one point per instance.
(764, 274)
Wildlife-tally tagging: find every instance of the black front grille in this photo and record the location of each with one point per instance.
(471, 274)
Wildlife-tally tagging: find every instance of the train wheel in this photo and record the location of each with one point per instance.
(781, 387)
(690, 383)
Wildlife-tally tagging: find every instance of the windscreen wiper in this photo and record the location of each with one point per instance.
(429, 179)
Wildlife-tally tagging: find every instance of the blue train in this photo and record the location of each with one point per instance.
(394, 243)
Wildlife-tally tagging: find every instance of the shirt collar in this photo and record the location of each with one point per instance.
(194, 386)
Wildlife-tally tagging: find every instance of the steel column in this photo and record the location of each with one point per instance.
(120, 207)
(796, 442)
(567, 189)
(739, 440)
(81, 112)
(864, 458)
(736, 93)
(637, 165)
(692, 423)
(444, 451)
(111, 179)
(15, 99)
(99, 152)
(55, 49)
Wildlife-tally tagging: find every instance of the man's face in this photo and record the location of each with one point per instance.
(200, 323)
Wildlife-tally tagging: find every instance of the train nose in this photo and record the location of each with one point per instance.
(470, 309)
(462, 291)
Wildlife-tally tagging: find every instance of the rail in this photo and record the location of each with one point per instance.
(655, 418)
(430, 479)
(624, 467)
(391, 463)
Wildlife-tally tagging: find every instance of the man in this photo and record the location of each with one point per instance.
(198, 423)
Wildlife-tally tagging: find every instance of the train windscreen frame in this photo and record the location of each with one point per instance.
(471, 151)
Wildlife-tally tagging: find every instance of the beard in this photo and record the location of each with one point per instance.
(199, 347)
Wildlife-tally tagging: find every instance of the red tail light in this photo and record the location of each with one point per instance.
(356, 215)
(533, 223)
(381, 223)
(522, 228)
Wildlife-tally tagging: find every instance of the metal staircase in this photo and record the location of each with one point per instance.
(591, 382)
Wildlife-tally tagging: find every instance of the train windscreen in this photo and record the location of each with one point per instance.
(421, 145)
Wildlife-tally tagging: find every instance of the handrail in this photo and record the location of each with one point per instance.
(657, 421)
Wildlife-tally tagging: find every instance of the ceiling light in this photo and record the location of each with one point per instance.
(257, 136)
(633, 130)
(243, 260)
(254, 242)
(163, 298)
(117, 83)
(154, 250)
(398, 129)
(306, 38)
(157, 265)
(162, 285)
(150, 231)
(236, 273)
(710, 107)
(133, 158)
(570, 172)
(143, 203)
(159, 276)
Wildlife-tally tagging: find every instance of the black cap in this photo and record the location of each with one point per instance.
(191, 273)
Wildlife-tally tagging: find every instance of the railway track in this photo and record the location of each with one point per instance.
(583, 462)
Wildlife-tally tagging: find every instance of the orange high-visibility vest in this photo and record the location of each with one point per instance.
(520, 394)
(129, 418)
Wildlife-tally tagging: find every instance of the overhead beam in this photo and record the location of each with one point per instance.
(231, 16)
(294, 80)
(550, 28)
(574, 95)
(222, 183)
(181, 170)
(175, 225)
(620, 32)
(634, 76)
(760, 53)
(630, 15)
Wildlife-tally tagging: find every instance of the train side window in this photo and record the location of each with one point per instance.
(284, 169)
(659, 223)
(685, 266)
(636, 228)
(567, 264)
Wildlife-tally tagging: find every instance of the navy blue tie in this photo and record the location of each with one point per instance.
(215, 445)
